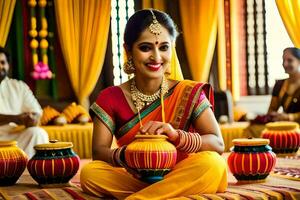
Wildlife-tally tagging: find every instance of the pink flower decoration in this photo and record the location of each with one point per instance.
(41, 72)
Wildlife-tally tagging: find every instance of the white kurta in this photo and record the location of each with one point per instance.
(16, 98)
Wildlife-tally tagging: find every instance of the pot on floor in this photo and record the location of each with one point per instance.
(251, 160)
(284, 137)
(54, 164)
(12, 162)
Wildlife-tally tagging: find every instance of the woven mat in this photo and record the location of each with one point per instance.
(66, 193)
(274, 188)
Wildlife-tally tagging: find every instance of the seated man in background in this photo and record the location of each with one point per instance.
(18, 106)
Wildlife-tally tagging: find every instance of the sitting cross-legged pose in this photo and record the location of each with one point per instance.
(189, 121)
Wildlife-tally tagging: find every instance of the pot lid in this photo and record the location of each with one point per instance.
(8, 143)
(148, 136)
(282, 126)
(250, 142)
(54, 145)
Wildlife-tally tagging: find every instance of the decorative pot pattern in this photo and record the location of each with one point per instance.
(53, 163)
(284, 136)
(12, 162)
(251, 159)
(152, 155)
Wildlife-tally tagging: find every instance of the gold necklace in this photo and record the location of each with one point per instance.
(140, 100)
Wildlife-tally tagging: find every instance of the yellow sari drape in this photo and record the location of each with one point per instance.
(6, 12)
(199, 24)
(174, 71)
(290, 13)
(83, 28)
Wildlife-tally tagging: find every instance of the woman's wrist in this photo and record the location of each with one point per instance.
(118, 157)
(174, 137)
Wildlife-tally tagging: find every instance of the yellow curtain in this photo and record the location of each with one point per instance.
(156, 4)
(83, 28)
(221, 48)
(199, 24)
(6, 12)
(234, 38)
(174, 71)
(290, 13)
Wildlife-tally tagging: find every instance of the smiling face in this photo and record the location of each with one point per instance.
(151, 54)
(291, 64)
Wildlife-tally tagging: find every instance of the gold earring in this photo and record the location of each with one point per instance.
(129, 67)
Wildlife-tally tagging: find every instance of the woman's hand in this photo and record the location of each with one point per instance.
(159, 128)
(275, 116)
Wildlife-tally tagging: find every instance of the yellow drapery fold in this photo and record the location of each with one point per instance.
(234, 38)
(290, 13)
(83, 28)
(174, 71)
(221, 47)
(199, 24)
(156, 4)
(6, 12)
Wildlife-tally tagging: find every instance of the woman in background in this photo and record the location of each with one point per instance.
(286, 92)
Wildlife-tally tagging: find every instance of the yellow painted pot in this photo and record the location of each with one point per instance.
(152, 156)
(12, 162)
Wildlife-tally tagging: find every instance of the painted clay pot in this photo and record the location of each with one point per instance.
(12, 162)
(54, 164)
(251, 159)
(284, 136)
(152, 156)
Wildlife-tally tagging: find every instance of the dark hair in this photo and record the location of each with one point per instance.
(294, 51)
(2, 50)
(140, 20)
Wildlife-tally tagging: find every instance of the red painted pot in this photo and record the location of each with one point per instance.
(152, 156)
(251, 159)
(12, 162)
(53, 164)
(284, 136)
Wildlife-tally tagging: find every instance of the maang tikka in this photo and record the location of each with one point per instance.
(155, 27)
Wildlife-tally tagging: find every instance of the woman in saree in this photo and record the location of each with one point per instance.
(189, 121)
(286, 92)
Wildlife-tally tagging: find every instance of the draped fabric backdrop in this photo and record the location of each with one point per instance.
(221, 47)
(290, 13)
(234, 38)
(6, 12)
(156, 4)
(199, 23)
(83, 28)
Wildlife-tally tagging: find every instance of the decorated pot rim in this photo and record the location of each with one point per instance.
(140, 136)
(8, 143)
(54, 145)
(282, 126)
(250, 142)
